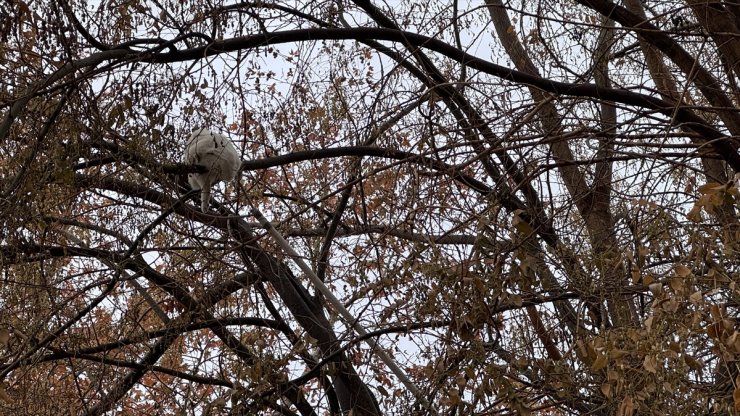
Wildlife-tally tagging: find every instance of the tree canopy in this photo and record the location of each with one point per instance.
(448, 207)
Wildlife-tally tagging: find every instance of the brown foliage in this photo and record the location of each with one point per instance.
(530, 207)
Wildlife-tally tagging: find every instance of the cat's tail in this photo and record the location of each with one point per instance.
(205, 198)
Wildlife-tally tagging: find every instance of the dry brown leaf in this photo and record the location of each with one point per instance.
(601, 361)
(696, 297)
(616, 354)
(4, 395)
(694, 214)
(681, 270)
(627, 407)
(716, 312)
(650, 363)
(676, 284)
(4, 337)
(649, 323)
(655, 288)
(612, 375)
(711, 187)
(693, 363)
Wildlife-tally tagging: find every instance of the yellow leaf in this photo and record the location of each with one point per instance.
(606, 389)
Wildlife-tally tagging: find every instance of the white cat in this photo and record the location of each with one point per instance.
(217, 154)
